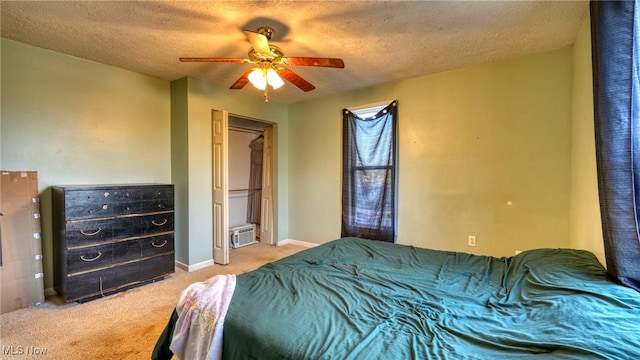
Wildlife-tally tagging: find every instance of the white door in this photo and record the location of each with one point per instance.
(266, 205)
(220, 150)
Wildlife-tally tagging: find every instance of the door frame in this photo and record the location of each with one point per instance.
(220, 182)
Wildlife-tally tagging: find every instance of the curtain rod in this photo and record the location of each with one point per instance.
(379, 103)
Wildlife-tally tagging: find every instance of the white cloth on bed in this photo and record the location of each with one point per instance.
(201, 311)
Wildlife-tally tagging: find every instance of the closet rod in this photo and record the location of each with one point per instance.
(243, 190)
(244, 129)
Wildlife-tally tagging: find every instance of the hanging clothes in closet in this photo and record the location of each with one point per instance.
(255, 181)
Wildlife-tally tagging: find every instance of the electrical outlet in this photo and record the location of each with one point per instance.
(472, 240)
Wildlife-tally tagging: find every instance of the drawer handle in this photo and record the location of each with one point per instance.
(91, 259)
(90, 234)
(159, 224)
(153, 243)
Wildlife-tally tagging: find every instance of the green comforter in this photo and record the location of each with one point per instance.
(363, 299)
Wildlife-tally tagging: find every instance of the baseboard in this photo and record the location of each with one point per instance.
(194, 267)
(204, 264)
(297, 242)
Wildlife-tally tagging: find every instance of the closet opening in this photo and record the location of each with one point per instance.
(250, 147)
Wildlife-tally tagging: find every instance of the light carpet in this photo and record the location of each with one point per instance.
(122, 326)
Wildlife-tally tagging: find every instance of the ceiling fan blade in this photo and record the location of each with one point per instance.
(242, 81)
(295, 79)
(260, 43)
(206, 59)
(314, 61)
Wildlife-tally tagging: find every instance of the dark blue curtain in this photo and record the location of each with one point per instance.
(369, 175)
(615, 29)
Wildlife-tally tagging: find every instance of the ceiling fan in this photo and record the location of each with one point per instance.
(270, 60)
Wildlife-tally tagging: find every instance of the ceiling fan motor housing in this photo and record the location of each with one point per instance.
(276, 55)
(266, 31)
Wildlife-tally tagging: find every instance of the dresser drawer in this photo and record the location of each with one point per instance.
(110, 195)
(96, 257)
(87, 196)
(94, 232)
(105, 209)
(156, 223)
(157, 245)
(158, 266)
(88, 232)
(155, 205)
(100, 209)
(91, 284)
(160, 192)
(110, 279)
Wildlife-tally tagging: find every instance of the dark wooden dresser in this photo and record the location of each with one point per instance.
(109, 238)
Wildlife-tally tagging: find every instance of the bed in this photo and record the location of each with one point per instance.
(362, 299)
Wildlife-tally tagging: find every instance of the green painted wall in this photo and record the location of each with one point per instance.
(586, 226)
(79, 122)
(471, 141)
(180, 167)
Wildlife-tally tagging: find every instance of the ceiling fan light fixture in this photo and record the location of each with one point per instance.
(258, 78)
(274, 79)
(261, 77)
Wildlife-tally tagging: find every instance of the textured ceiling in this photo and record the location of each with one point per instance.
(379, 41)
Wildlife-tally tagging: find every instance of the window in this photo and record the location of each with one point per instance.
(369, 172)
